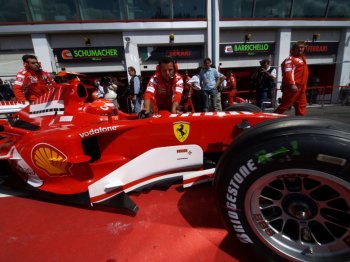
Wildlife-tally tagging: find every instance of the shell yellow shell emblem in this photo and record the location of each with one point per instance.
(181, 130)
(50, 159)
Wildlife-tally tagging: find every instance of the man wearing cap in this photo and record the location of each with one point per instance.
(263, 80)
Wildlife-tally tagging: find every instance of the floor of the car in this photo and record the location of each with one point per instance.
(173, 224)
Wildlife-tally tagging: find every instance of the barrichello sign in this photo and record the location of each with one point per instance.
(96, 131)
(246, 49)
(67, 55)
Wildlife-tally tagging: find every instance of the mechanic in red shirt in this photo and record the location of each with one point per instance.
(164, 89)
(231, 89)
(294, 81)
(31, 82)
(186, 100)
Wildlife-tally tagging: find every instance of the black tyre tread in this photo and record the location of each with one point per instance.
(289, 125)
(281, 127)
(243, 107)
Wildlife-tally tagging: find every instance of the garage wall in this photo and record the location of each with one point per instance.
(12, 48)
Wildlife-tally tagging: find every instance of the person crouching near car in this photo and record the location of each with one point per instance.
(164, 89)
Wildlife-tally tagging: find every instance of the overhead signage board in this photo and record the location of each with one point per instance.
(321, 48)
(246, 49)
(91, 54)
(154, 53)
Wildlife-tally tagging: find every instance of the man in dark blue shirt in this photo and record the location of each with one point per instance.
(135, 90)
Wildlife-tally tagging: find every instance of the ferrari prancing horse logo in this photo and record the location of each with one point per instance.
(181, 130)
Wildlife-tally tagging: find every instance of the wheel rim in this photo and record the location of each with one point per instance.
(301, 213)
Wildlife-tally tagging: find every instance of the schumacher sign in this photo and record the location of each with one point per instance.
(78, 54)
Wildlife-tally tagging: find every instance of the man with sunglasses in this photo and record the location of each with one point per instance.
(31, 82)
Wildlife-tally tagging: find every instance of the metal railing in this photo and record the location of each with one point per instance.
(317, 95)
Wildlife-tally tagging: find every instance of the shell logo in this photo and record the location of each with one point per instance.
(66, 54)
(50, 159)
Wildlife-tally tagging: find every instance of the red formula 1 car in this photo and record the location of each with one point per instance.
(282, 184)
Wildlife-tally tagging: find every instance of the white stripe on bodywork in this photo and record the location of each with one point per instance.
(66, 118)
(9, 153)
(221, 114)
(46, 105)
(161, 160)
(44, 109)
(194, 174)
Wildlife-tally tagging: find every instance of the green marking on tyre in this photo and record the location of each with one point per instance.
(264, 157)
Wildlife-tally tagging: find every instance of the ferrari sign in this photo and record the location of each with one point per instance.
(181, 130)
(154, 53)
(321, 48)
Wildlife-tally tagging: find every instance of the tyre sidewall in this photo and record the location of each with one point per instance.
(297, 151)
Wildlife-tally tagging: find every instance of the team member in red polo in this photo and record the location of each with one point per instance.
(294, 80)
(31, 82)
(164, 89)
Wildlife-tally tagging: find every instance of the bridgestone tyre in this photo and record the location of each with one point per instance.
(283, 187)
(243, 107)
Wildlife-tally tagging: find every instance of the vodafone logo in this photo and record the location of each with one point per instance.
(97, 131)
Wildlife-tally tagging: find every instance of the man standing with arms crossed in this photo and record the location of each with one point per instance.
(31, 82)
(294, 81)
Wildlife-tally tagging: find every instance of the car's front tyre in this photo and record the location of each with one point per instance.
(283, 188)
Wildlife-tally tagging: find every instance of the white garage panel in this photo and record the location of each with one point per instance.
(12, 48)
(11, 63)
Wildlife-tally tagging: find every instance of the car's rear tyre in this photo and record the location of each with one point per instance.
(283, 187)
(243, 107)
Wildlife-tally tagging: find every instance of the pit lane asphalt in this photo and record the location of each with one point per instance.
(328, 111)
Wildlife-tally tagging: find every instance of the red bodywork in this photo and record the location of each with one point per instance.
(60, 144)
